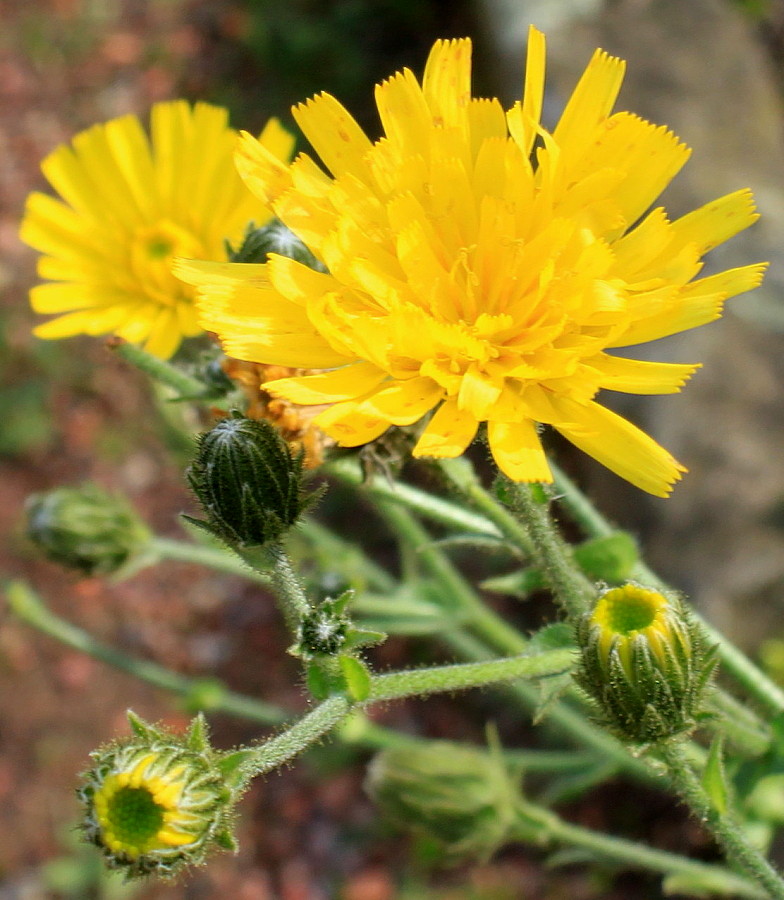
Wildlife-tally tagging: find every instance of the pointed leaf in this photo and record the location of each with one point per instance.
(714, 779)
(357, 678)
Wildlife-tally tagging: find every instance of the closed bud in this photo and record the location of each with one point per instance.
(86, 529)
(274, 237)
(248, 481)
(644, 662)
(460, 797)
(157, 802)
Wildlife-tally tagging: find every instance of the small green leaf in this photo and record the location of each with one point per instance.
(319, 683)
(713, 778)
(610, 558)
(357, 678)
(521, 583)
(361, 637)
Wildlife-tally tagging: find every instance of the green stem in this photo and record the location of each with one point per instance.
(726, 831)
(434, 509)
(29, 608)
(292, 599)
(215, 558)
(158, 369)
(291, 742)
(360, 730)
(574, 591)
(551, 828)
(747, 675)
(395, 685)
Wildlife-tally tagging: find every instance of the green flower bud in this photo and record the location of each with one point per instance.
(274, 237)
(644, 662)
(248, 481)
(462, 798)
(85, 528)
(157, 802)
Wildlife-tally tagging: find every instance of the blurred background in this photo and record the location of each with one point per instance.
(713, 70)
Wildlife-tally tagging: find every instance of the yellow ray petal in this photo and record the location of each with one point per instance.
(620, 446)
(164, 337)
(517, 450)
(403, 402)
(590, 103)
(404, 114)
(277, 140)
(649, 155)
(334, 135)
(525, 116)
(349, 427)
(447, 84)
(261, 170)
(448, 433)
(638, 376)
(716, 222)
(346, 383)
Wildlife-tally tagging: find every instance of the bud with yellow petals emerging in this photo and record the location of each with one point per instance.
(644, 662)
(158, 802)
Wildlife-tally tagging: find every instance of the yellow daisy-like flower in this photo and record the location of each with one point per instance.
(156, 803)
(130, 205)
(478, 267)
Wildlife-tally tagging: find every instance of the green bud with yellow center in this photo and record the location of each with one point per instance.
(157, 802)
(644, 662)
(248, 481)
(87, 529)
(463, 798)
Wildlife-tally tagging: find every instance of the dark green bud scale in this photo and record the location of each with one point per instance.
(248, 481)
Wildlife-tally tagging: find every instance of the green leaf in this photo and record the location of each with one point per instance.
(319, 683)
(609, 558)
(521, 583)
(357, 678)
(714, 779)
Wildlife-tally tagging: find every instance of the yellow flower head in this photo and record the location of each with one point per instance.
(155, 803)
(478, 267)
(624, 613)
(130, 204)
(644, 662)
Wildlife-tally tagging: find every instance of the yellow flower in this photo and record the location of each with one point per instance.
(478, 267)
(157, 802)
(129, 206)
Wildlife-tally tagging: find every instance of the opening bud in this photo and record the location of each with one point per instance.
(644, 662)
(157, 802)
(461, 797)
(86, 528)
(248, 481)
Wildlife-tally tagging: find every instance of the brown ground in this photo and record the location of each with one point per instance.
(71, 412)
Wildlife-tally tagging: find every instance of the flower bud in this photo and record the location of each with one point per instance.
(274, 237)
(248, 481)
(644, 662)
(85, 528)
(157, 802)
(461, 797)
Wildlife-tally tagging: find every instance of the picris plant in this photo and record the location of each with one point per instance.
(469, 276)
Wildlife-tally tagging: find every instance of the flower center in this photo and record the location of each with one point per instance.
(133, 818)
(628, 609)
(152, 251)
